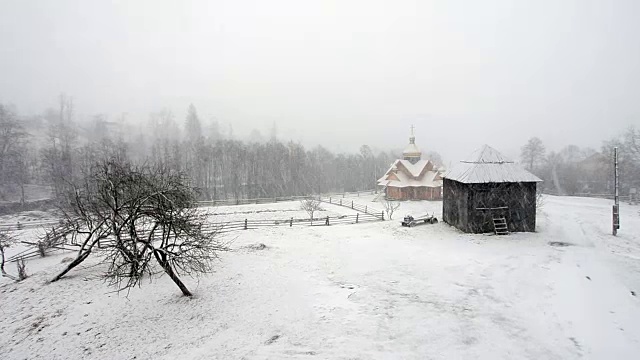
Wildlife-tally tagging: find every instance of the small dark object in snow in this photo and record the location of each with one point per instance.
(588, 277)
(559, 243)
(255, 247)
(273, 339)
(66, 260)
(633, 293)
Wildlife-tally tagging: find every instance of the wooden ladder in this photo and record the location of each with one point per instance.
(500, 225)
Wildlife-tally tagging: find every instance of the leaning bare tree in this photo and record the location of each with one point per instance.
(310, 206)
(142, 221)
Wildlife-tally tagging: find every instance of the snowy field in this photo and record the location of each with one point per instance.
(368, 291)
(276, 211)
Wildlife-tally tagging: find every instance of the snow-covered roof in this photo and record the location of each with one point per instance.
(414, 169)
(429, 178)
(487, 165)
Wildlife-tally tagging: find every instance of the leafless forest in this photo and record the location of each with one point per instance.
(55, 148)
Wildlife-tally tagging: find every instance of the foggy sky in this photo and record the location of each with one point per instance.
(339, 73)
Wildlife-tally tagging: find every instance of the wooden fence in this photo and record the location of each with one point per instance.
(224, 228)
(28, 225)
(271, 200)
(247, 224)
(350, 204)
(603, 196)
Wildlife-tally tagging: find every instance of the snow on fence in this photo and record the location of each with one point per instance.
(35, 251)
(28, 225)
(223, 228)
(602, 196)
(247, 224)
(366, 209)
(271, 200)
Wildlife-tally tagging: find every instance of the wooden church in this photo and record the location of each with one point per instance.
(412, 178)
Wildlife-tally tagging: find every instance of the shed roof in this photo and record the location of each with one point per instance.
(487, 165)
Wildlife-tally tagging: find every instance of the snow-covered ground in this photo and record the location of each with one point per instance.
(276, 211)
(368, 291)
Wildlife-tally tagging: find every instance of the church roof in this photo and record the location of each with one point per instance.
(488, 165)
(403, 173)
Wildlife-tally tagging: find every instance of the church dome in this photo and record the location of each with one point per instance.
(412, 152)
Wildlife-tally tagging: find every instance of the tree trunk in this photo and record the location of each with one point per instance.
(4, 273)
(78, 260)
(22, 199)
(162, 259)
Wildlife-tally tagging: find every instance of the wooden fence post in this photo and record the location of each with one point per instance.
(245, 224)
(351, 204)
(382, 212)
(357, 217)
(327, 223)
(291, 222)
(365, 208)
(329, 199)
(340, 202)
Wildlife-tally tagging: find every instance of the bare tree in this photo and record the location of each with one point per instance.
(6, 241)
(390, 207)
(310, 206)
(143, 221)
(12, 150)
(533, 153)
(539, 201)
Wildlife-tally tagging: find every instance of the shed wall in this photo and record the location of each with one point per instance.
(455, 204)
(518, 198)
(471, 207)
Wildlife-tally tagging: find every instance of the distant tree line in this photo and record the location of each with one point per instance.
(574, 170)
(56, 149)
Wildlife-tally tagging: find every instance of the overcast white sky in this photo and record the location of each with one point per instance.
(340, 73)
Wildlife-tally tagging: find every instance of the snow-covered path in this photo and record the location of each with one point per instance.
(371, 291)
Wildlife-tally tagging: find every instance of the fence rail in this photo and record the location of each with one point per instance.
(276, 199)
(350, 204)
(222, 228)
(247, 224)
(28, 225)
(603, 196)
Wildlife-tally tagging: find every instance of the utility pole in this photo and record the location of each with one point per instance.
(616, 204)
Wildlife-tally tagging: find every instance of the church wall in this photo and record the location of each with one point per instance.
(414, 193)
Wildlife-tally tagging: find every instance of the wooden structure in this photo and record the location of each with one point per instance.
(489, 193)
(412, 178)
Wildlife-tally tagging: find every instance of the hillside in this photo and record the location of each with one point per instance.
(367, 291)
